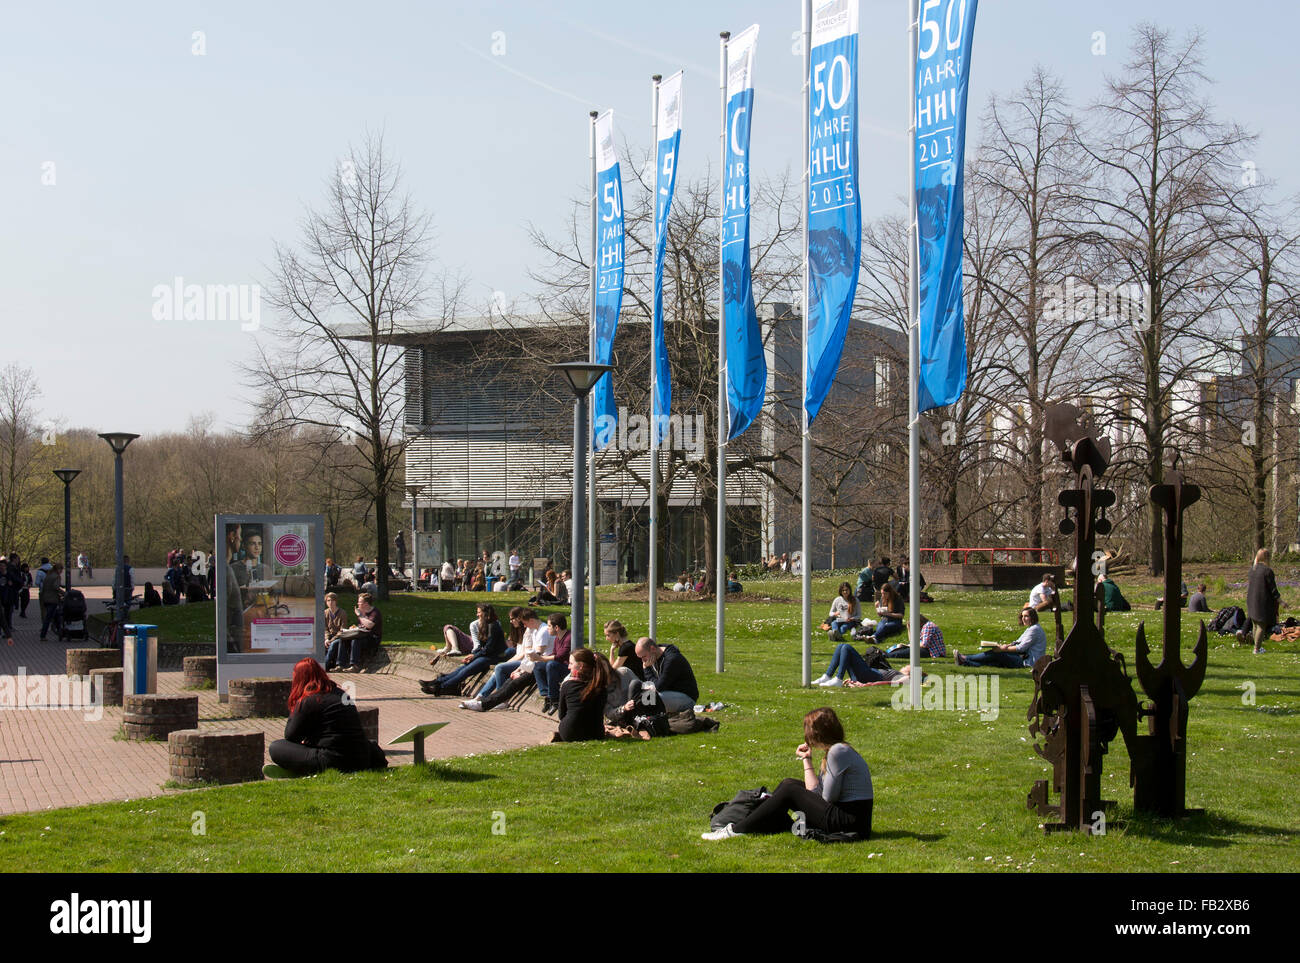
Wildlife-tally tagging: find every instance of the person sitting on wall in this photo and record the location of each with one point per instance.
(1020, 654)
(336, 621)
(1110, 593)
(492, 649)
(359, 643)
(537, 642)
(324, 728)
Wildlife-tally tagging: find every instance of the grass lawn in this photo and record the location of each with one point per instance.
(950, 787)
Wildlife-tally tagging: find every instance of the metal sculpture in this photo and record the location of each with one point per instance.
(1160, 784)
(1083, 696)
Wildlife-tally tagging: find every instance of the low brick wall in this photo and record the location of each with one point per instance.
(81, 661)
(107, 683)
(369, 721)
(200, 671)
(153, 716)
(256, 698)
(172, 655)
(195, 757)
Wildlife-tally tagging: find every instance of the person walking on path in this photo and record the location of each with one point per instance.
(1262, 599)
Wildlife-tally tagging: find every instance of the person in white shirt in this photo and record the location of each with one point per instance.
(681, 585)
(537, 641)
(447, 575)
(514, 564)
(1043, 595)
(846, 612)
(567, 579)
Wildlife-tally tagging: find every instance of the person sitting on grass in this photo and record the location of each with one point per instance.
(548, 593)
(839, 800)
(1182, 599)
(324, 728)
(931, 640)
(845, 614)
(582, 698)
(889, 611)
(1197, 602)
(682, 584)
(1110, 593)
(1043, 595)
(491, 650)
(667, 670)
(641, 715)
(537, 641)
(1020, 654)
(622, 650)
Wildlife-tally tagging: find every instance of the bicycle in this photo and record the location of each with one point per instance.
(111, 632)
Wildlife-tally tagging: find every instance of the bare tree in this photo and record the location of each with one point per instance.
(1157, 212)
(26, 460)
(358, 270)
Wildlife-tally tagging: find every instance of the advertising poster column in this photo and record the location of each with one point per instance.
(269, 595)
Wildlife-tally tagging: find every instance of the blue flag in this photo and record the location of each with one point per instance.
(746, 365)
(943, 55)
(669, 128)
(834, 207)
(609, 271)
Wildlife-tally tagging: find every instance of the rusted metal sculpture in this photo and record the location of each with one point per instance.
(1083, 696)
(1160, 783)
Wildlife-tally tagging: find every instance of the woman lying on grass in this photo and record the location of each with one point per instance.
(846, 663)
(324, 728)
(839, 800)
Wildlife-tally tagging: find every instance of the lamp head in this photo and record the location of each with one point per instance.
(66, 475)
(582, 376)
(118, 440)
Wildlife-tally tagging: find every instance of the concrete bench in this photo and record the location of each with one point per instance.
(259, 698)
(153, 716)
(195, 757)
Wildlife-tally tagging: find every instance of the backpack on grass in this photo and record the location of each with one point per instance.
(740, 806)
(1228, 620)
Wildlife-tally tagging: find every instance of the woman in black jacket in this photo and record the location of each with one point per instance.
(582, 698)
(324, 728)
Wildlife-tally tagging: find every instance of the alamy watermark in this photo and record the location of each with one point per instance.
(959, 692)
(632, 433)
(1080, 300)
(21, 691)
(179, 301)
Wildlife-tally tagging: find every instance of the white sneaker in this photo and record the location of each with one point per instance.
(823, 680)
(834, 683)
(472, 704)
(726, 832)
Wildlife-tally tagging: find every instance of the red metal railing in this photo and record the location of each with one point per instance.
(990, 556)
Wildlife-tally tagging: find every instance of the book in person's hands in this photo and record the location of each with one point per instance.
(986, 644)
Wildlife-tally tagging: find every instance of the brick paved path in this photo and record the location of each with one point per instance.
(51, 758)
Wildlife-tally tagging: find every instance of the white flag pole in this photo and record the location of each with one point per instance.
(593, 563)
(913, 379)
(806, 511)
(721, 524)
(654, 579)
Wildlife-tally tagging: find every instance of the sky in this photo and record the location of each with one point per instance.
(147, 141)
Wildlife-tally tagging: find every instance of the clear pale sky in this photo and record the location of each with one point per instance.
(168, 164)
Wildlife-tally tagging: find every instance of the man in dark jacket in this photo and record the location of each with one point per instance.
(667, 669)
(1262, 599)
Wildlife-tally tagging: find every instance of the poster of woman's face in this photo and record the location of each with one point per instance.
(269, 607)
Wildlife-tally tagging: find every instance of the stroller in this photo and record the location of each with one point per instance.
(73, 616)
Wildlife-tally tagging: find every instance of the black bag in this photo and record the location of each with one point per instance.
(1228, 620)
(876, 659)
(740, 806)
(822, 836)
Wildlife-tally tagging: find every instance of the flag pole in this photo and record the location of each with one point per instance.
(654, 579)
(593, 562)
(913, 380)
(806, 432)
(721, 550)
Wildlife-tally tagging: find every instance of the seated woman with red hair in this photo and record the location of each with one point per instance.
(324, 728)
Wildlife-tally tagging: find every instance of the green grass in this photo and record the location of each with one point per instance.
(950, 788)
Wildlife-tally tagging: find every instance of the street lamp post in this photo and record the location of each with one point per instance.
(118, 440)
(66, 475)
(414, 492)
(582, 377)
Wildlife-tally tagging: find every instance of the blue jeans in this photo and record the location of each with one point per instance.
(499, 676)
(887, 627)
(1000, 660)
(847, 660)
(842, 627)
(549, 675)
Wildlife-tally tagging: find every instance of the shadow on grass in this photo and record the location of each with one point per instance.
(437, 772)
(907, 834)
(1204, 829)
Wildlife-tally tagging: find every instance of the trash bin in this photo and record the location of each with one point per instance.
(491, 580)
(139, 660)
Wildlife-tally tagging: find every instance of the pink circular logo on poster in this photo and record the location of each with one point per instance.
(290, 549)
